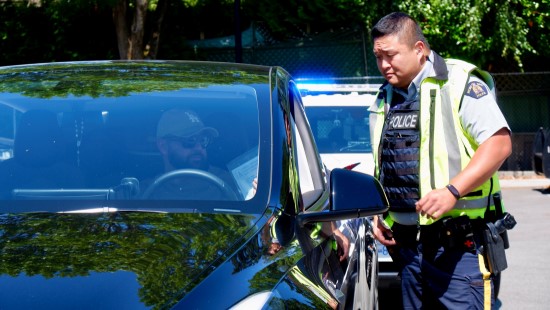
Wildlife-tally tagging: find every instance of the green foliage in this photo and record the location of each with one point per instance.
(296, 18)
(487, 33)
(498, 35)
(538, 21)
(55, 31)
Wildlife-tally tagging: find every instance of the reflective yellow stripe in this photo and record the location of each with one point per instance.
(377, 120)
(471, 213)
(473, 204)
(388, 221)
(486, 282)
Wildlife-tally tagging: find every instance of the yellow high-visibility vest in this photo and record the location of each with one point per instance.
(445, 146)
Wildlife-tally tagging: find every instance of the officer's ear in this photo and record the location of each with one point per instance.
(419, 48)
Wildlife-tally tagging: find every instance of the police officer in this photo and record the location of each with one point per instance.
(439, 139)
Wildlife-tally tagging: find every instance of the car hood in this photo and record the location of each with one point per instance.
(124, 260)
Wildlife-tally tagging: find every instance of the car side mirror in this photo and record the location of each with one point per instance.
(353, 195)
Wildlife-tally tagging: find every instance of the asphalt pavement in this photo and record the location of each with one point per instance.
(525, 283)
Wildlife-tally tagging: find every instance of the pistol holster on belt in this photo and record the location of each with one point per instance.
(496, 239)
(494, 249)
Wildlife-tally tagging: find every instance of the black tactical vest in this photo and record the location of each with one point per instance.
(400, 155)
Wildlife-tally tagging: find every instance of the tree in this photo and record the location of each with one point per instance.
(135, 42)
(497, 35)
(296, 18)
(493, 34)
(131, 37)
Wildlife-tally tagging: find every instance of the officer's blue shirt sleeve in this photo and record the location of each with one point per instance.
(480, 114)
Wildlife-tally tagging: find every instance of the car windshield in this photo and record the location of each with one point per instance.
(165, 141)
(340, 129)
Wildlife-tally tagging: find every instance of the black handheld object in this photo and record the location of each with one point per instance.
(495, 238)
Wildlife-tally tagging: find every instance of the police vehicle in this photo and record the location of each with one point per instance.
(339, 119)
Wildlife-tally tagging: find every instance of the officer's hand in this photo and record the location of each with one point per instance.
(382, 233)
(436, 203)
(343, 245)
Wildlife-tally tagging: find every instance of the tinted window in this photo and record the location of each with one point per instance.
(108, 147)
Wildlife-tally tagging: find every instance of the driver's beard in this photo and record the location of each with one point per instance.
(182, 163)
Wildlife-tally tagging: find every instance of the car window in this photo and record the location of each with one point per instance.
(109, 147)
(311, 175)
(306, 179)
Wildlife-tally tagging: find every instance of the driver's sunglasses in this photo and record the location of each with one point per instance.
(192, 141)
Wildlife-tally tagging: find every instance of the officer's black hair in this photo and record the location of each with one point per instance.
(402, 25)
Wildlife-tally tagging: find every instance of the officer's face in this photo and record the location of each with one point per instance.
(398, 62)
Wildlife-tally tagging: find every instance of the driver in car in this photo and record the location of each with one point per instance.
(182, 139)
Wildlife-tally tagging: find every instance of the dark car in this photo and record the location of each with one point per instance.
(101, 209)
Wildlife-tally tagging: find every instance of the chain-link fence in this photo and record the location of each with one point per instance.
(525, 101)
(339, 54)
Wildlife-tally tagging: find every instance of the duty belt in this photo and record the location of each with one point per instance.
(461, 233)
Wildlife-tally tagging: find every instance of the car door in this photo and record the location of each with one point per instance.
(345, 253)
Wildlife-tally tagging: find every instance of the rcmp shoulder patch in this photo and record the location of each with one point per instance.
(476, 90)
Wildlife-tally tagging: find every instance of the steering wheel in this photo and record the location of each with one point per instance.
(190, 174)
